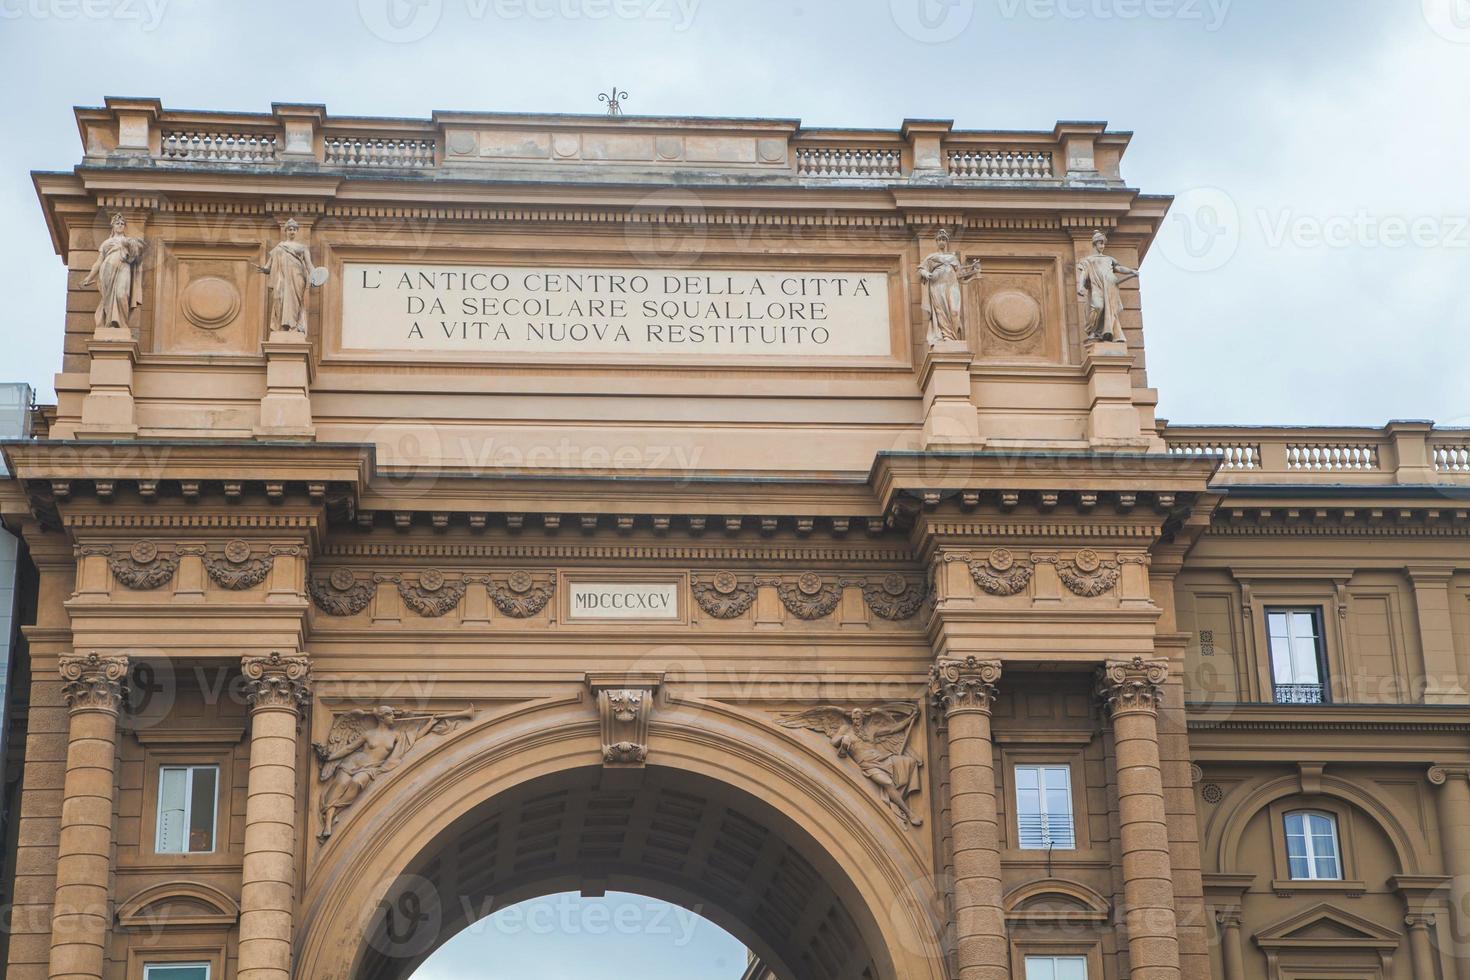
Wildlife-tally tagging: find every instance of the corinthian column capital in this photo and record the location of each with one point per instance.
(277, 682)
(94, 682)
(1132, 685)
(964, 685)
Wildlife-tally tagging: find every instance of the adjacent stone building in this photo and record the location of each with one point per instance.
(441, 513)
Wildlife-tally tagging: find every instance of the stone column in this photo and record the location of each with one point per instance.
(81, 916)
(1420, 946)
(1131, 690)
(277, 688)
(1453, 805)
(1230, 949)
(965, 690)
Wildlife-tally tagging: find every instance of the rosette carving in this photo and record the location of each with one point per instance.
(94, 682)
(1000, 574)
(277, 681)
(143, 568)
(341, 594)
(1132, 685)
(809, 597)
(237, 570)
(519, 595)
(964, 685)
(433, 596)
(724, 596)
(894, 597)
(1087, 575)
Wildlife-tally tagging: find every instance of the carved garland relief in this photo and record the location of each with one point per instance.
(1087, 574)
(725, 595)
(1000, 574)
(237, 569)
(143, 568)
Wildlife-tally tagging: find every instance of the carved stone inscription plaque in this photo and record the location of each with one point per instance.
(646, 313)
(633, 601)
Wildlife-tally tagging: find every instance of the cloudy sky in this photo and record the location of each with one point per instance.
(1316, 268)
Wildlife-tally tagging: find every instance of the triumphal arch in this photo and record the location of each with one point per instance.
(441, 513)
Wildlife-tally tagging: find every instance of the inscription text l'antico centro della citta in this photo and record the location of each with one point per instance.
(505, 309)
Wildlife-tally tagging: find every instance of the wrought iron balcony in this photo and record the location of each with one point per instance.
(1300, 694)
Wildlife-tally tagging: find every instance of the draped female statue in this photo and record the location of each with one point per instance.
(116, 276)
(289, 269)
(943, 276)
(1098, 277)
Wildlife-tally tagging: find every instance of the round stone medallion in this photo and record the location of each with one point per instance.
(1087, 560)
(461, 142)
(144, 552)
(810, 583)
(1013, 314)
(237, 552)
(210, 302)
(1002, 560)
(895, 584)
(725, 582)
(431, 580)
(343, 579)
(519, 581)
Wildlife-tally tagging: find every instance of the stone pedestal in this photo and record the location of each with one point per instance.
(1113, 419)
(81, 916)
(964, 690)
(107, 411)
(278, 692)
(950, 418)
(1131, 690)
(285, 410)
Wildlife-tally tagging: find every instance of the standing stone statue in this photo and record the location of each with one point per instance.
(1098, 277)
(943, 275)
(289, 267)
(362, 745)
(116, 275)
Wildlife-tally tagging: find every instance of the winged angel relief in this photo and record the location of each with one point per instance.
(365, 743)
(877, 740)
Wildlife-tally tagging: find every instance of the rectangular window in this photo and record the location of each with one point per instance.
(1044, 808)
(176, 971)
(1298, 658)
(1311, 847)
(186, 809)
(1056, 968)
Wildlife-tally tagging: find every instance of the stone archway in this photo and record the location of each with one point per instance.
(815, 877)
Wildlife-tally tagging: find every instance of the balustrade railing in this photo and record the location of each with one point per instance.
(218, 147)
(378, 151)
(1451, 458)
(1232, 455)
(1000, 164)
(849, 162)
(1402, 453)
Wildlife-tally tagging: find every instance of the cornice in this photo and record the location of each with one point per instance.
(714, 550)
(1403, 718)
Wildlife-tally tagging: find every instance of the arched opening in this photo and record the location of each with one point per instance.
(672, 835)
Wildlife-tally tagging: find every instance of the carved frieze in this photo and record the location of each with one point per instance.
(876, 740)
(93, 682)
(143, 568)
(725, 595)
(1001, 573)
(238, 570)
(434, 595)
(365, 743)
(895, 597)
(809, 596)
(519, 595)
(341, 594)
(1087, 574)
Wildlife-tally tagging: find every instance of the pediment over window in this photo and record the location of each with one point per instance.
(1325, 926)
(1055, 900)
(178, 903)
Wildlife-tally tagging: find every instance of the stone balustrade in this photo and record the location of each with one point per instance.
(296, 135)
(1402, 453)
